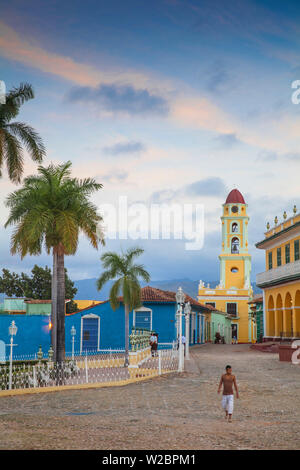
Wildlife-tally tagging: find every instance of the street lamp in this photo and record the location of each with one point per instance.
(180, 298)
(12, 330)
(73, 333)
(187, 312)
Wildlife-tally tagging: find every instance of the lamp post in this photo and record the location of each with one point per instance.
(73, 333)
(187, 312)
(12, 332)
(40, 355)
(180, 297)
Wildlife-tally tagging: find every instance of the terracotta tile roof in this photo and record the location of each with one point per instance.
(39, 301)
(256, 298)
(152, 294)
(15, 312)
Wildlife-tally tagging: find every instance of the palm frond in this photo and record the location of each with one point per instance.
(140, 271)
(114, 294)
(103, 279)
(13, 154)
(13, 101)
(30, 138)
(44, 212)
(18, 95)
(112, 260)
(132, 253)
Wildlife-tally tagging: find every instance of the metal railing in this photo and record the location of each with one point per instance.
(85, 369)
(281, 272)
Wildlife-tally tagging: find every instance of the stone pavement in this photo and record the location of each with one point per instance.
(177, 411)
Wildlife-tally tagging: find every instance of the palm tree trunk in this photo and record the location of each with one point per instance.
(54, 306)
(126, 364)
(60, 331)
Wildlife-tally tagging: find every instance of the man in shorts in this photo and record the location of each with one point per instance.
(228, 381)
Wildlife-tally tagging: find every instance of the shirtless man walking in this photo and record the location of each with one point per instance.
(228, 380)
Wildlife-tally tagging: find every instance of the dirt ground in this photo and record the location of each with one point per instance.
(179, 411)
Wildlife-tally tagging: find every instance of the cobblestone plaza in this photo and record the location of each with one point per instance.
(178, 411)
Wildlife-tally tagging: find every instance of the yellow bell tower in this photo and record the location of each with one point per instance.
(235, 261)
(234, 290)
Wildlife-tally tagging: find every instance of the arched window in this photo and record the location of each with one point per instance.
(235, 245)
(234, 227)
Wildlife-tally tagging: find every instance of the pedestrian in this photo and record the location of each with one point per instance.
(153, 344)
(183, 342)
(228, 380)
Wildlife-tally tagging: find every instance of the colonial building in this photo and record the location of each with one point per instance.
(234, 290)
(281, 279)
(99, 328)
(217, 322)
(256, 310)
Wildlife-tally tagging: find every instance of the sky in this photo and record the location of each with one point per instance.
(168, 101)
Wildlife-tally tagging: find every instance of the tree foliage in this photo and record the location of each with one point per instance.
(35, 286)
(16, 135)
(125, 274)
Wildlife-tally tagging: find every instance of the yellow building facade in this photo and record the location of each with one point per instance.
(81, 304)
(234, 290)
(281, 279)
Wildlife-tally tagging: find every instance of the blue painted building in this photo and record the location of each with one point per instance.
(100, 328)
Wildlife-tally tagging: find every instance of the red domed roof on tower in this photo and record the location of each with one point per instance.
(235, 197)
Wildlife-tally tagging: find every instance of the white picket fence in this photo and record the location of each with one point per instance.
(85, 369)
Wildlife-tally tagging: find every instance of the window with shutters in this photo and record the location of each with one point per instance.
(270, 259)
(287, 253)
(297, 250)
(231, 308)
(278, 256)
(212, 304)
(143, 319)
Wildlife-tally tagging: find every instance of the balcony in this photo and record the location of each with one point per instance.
(284, 273)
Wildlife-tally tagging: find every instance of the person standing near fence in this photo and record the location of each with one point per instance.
(153, 344)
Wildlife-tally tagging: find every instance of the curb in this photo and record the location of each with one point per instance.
(62, 388)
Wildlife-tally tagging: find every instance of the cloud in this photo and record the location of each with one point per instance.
(208, 187)
(197, 112)
(30, 53)
(114, 176)
(293, 156)
(269, 156)
(219, 79)
(227, 140)
(124, 147)
(120, 98)
(136, 93)
(164, 196)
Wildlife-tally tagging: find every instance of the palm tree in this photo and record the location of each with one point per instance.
(14, 134)
(127, 284)
(51, 209)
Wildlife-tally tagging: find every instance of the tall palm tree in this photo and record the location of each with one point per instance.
(14, 134)
(122, 269)
(51, 209)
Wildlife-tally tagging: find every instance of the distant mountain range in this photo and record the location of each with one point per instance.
(87, 288)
